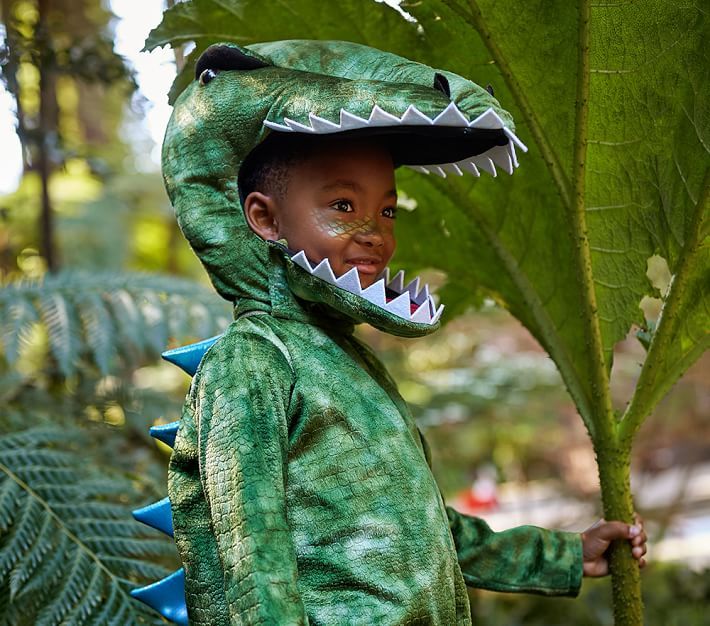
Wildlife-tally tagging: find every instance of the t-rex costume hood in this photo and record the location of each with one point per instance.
(299, 483)
(433, 121)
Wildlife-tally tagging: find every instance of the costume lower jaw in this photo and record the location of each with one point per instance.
(407, 301)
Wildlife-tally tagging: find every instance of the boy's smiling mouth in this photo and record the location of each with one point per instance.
(366, 264)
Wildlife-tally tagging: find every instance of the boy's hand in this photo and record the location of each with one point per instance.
(597, 538)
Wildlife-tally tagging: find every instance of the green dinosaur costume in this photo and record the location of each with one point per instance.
(300, 485)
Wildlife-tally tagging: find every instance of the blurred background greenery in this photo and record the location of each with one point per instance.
(97, 281)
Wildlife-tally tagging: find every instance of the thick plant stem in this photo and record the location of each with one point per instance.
(615, 479)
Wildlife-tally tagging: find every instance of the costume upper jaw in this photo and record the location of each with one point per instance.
(456, 125)
(487, 125)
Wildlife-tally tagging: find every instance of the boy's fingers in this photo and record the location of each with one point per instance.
(609, 531)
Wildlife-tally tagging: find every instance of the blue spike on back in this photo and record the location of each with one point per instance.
(165, 432)
(188, 357)
(158, 515)
(167, 596)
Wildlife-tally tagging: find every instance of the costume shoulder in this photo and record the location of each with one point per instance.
(250, 346)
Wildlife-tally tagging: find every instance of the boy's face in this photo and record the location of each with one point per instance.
(340, 204)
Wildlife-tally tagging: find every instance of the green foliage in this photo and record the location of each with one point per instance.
(70, 43)
(69, 550)
(96, 318)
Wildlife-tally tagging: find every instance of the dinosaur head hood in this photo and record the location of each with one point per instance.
(433, 121)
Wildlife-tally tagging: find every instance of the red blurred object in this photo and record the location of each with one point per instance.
(482, 496)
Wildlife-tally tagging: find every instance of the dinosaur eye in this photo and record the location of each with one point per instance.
(206, 76)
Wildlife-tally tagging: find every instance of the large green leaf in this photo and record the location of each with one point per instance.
(646, 160)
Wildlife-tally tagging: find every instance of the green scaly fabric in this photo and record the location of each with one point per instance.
(300, 485)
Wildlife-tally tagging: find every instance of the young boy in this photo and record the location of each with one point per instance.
(300, 485)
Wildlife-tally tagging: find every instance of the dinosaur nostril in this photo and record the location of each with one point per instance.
(442, 84)
(489, 89)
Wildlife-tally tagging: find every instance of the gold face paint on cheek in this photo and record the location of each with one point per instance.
(339, 228)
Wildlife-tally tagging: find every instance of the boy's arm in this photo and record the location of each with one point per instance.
(524, 559)
(241, 411)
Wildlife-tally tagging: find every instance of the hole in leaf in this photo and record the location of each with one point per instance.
(658, 273)
(651, 308)
(660, 277)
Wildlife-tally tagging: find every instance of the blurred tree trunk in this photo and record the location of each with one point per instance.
(70, 88)
(175, 238)
(47, 130)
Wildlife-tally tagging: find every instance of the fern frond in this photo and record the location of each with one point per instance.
(63, 330)
(16, 317)
(102, 317)
(64, 561)
(9, 495)
(41, 544)
(98, 328)
(145, 569)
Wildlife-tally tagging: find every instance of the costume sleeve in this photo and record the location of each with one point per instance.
(241, 408)
(525, 559)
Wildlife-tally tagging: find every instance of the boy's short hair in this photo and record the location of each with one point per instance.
(267, 167)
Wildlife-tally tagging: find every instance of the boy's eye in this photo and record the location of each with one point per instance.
(390, 211)
(342, 205)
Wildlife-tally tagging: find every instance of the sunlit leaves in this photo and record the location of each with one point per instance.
(205, 22)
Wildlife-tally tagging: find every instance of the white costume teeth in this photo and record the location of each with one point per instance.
(452, 117)
(322, 270)
(502, 158)
(485, 164)
(375, 293)
(414, 117)
(422, 296)
(350, 281)
(397, 283)
(401, 306)
(422, 314)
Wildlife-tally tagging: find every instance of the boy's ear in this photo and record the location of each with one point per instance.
(260, 213)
